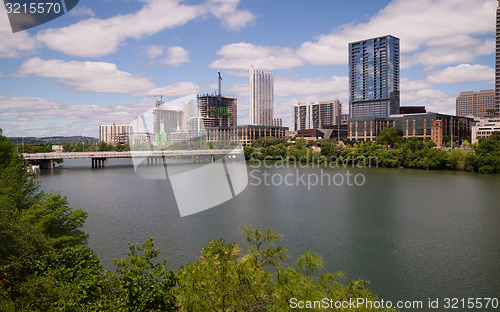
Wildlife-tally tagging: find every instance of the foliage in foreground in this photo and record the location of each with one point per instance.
(46, 265)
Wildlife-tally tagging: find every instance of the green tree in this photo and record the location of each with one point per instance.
(248, 151)
(458, 159)
(44, 264)
(225, 278)
(18, 186)
(142, 284)
(390, 136)
(489, 146)
(103, 147)
(57, 220)
(268, 141)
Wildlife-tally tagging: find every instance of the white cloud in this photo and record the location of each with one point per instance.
(14, 45)
(97, 37)
(176, 56)
(408, 84)
(9, 104)
(82, 10)
(422, 95)
(433, 57)
(100, 77)
(87, 76)
(439, 24)
(443, 105)
(436, 32)
(241, 89)
(41, 117)
(154, 51)
(243, 55)
(238, 73)
(177, 89)
(230, 16)
(301, 86)
(463, 73)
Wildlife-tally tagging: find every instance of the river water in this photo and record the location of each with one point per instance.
(414, 234)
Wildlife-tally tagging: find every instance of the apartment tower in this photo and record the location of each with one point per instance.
(261, 97)
(374, 77)
(316, 115)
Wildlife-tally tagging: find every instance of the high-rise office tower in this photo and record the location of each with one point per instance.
(497, 64)
(374, 77)
(261, 97)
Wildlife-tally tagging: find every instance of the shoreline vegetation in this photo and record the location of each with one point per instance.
(391, 150)
(46, 264)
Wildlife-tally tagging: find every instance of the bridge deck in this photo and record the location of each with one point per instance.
(81, 155)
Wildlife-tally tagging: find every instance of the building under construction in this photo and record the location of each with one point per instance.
(166, 120)
(217, 111)
(115, 134)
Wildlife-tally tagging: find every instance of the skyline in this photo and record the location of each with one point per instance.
(61, 79)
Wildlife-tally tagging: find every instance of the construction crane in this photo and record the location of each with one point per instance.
(148, 134)
(219, 97)
(161, 97)
(113, 133)
(137, 118)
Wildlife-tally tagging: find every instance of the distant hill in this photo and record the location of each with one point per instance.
(53, 140)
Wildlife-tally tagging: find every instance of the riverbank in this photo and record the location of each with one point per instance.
(483, 157)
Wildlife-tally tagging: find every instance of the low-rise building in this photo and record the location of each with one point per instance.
(57, 148)
(245, 134)
(432, 126)
(412, 110)
(484, 128)
(311, 134)
(115, 134)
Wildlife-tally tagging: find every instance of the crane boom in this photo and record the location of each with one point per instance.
(161, 97)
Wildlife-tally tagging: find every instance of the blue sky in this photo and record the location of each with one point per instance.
(104, 61)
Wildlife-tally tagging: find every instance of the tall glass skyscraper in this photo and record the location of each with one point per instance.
(497, 64)
(374, 77)
(261, 97)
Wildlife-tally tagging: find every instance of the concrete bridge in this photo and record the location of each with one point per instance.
(100, 159)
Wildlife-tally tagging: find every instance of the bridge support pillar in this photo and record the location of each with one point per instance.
(99, 162)
(47, 164)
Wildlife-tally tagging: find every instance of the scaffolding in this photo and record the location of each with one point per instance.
(217, 114)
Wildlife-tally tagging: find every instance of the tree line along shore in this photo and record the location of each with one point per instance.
(390, 150)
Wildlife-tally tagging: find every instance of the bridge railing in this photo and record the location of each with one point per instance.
(129, 154)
